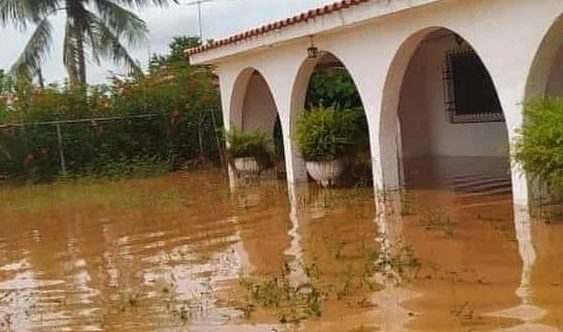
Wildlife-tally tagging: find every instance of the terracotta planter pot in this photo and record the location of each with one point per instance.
(326, 173)
(248, 165)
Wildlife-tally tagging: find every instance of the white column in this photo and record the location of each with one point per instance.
(227, 80)
(385, 153)
(289, 88)
(294, 162)
(514, 113)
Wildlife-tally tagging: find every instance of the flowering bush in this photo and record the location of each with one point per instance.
(183, 102)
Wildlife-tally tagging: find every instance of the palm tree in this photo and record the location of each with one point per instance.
(100, 27)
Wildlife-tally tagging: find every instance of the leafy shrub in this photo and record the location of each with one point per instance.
(333, 87)
(540, 145)
(136, 167)
(255, 144)
(183, 102)
(325, 134)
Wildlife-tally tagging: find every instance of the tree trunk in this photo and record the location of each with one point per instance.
(40, 78)
(81, 58)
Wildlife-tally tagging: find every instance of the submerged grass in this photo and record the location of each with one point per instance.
(293, 303)
(438, 220)
(465, 316)
(88, 194)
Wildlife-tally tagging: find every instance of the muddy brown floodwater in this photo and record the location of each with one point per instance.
(185, 253)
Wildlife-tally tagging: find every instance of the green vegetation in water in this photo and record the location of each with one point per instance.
(548, 212)
(438, 220)
(250, 144)
(408, 205)
(501, 226)
(6, 323)
(466, 317)
(90, 195)
(325, 134)
(294, 303)
(540, 146)
(398, 263)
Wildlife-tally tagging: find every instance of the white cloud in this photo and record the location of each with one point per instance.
(220, 18)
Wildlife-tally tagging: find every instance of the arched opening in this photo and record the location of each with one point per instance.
(325, 82)
(554, 87)
(253, 108)
(546, 74)
(442, 116)
(545, 80)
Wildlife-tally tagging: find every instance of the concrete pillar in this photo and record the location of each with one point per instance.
(294, 162)
(295, 104)
(227, 81)
(385, 127)
(385, 152)
(520, 194)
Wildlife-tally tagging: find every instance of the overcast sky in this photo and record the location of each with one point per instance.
(220, 18)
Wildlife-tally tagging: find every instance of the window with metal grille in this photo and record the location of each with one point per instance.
(470, 94)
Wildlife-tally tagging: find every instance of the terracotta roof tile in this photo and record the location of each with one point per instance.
(303, 17)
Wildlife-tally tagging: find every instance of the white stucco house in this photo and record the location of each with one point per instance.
(417, 65)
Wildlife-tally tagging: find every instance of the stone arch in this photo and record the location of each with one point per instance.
(252, 104)
(546, 72)
(303, 77)
(299, 90)
(391, 131)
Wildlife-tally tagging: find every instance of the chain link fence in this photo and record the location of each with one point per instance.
(110, 146)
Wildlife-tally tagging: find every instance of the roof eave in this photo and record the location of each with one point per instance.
(316, 26)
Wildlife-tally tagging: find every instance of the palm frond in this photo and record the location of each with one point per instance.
(108, 45)
(121, 21)
(36, 49)
(144, 3)
(20, 13)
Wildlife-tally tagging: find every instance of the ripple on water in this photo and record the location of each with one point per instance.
(169, 253)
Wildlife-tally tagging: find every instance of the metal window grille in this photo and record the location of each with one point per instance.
(470, 95)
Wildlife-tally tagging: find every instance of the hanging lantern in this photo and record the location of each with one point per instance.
(312, 51)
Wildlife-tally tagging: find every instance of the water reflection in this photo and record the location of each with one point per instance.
(169, 254)
(529, 313)
(389, 212)
(296, 273)
(396, 297)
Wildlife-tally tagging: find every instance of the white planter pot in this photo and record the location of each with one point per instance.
(326, 172)
(248, 165)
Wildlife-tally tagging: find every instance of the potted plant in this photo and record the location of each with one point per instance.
(249, 151)
(326, 137)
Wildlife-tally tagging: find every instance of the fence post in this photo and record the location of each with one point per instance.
(61, 151)
(218, 140)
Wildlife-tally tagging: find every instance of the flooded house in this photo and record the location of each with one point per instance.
(442, 83)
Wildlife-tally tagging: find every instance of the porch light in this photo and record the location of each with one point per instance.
(312, 51)
(458, 39)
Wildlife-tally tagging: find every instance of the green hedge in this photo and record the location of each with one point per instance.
(183, 131)
(540, 145)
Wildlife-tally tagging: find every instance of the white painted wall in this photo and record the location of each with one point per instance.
(259, 109)
(425, 127)
(414, 109)
(376, 41)
(555, 82)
